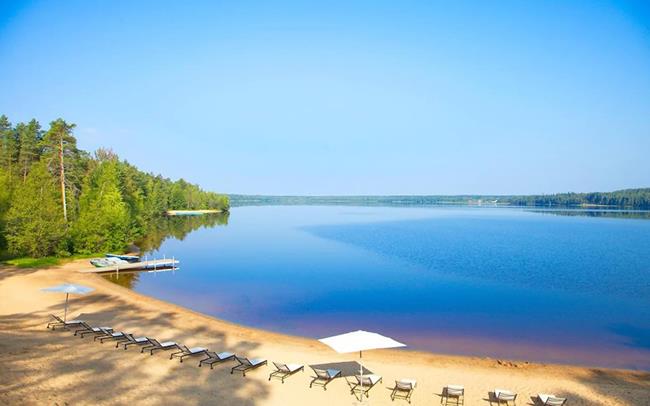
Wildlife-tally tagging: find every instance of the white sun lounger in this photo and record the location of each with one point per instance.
(324, 377)
(364, 384)
(246, 364)
(551, 400)
(403, 389)
(188, 352)
(58, 322)
(283, 371)
(214, 358)
(455, 393)
(131, 340)
(504, 396)
(88, 329)
(117, 336)
(156, 345)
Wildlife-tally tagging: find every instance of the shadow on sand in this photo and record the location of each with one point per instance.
(55, 367)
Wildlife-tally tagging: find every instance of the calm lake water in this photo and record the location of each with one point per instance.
(497, 282)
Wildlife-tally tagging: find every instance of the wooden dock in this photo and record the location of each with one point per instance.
(143, 265)
(192, 212)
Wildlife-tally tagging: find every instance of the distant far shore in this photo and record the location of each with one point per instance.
(635, 199)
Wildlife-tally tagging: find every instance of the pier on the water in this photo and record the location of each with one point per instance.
(151, 265)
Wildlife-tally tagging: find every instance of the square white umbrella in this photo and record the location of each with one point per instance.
(359, 341)
(68, 288)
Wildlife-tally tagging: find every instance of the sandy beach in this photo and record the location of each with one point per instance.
(40, 366)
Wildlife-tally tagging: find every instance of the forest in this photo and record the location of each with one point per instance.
(627, 198)
(636, 199)
(58, 200)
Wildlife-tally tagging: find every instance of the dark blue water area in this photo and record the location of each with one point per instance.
(494, 282)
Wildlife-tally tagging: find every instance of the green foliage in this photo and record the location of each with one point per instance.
(8, 146)
(60, 153)
(109, 203)
(103, 223)
(627, 198)
(30, 139)
(5, 203)
(28, 262)
(34, 225)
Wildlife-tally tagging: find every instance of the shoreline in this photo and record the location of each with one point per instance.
(122, 308)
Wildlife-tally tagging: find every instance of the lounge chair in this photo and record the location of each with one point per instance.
(188, 352)
(324, 377)
(214, 358)
(364, 384)
(403, 389)
(246, 364)
(504, 396)
(131, 340)
(58, 322)
(551, 400)
(283, 371)
(115, 336)
(156, 345)
(455, 393)
(103, 332)
(88, 329)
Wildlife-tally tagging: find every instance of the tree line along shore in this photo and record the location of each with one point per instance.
(58, 200)
(634, 199)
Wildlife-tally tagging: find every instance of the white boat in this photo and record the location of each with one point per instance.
(129, 258)
(102, 262)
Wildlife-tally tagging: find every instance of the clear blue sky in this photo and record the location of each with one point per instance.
(339, 98)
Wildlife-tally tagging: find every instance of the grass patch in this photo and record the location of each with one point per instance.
(28, 262)
(33, 262)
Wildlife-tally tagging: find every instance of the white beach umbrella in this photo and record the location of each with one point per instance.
(68, 288)
(359, 341)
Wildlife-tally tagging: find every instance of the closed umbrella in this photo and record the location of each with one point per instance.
(68, 288)
(359, 341)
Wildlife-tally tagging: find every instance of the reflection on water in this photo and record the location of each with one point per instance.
(621, 214)
(124, 279)
(178, 227)
(572, 287)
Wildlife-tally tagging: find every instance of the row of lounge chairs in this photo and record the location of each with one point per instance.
(151, 345)
(456, 395)
(360, 386)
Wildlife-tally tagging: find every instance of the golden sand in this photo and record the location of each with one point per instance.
(39, 366)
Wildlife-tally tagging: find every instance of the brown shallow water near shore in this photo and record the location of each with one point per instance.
(44, 367)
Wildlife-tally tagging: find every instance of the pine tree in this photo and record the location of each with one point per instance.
(59, 144)
(8, 146)
(5, 202)
(103, 223)
(34, 225)
(30, 137)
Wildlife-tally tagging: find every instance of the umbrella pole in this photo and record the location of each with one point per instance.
(361, 373)
(65, 311)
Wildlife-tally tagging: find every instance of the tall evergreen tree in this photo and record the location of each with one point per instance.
(60, 145)
(103, 223)
(34, 225)
(5, 203)
(30, 137)
(8, 146)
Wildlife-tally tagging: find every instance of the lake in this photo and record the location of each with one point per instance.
(496, 282)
